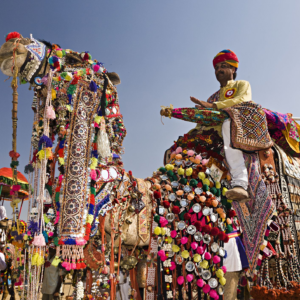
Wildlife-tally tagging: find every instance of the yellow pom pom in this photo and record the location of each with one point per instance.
(185, 254)
(41, 154)
(56, 79)
(157, 230)
(206, 181)
(189, 172)
(222, 281)
(220, 273)
(40, 260)
(163, 231)
(34, 259)
(175, 248)
(53, 94)
(169, 167)
(197, 258)
(184, 151)
(79, 72)
(59, 53)
(25, 237)
(204, 264)
(61, 161)
(98, 119)
(94, 163)
(68, 77)
(90, 219)
(224, 191)
(180, 171)
(218, 185)
(169, 239)
(201, 175)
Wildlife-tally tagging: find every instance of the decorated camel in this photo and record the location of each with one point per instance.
(169, 232)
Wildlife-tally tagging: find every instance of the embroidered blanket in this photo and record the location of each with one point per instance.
(249, 128)
(254, 215)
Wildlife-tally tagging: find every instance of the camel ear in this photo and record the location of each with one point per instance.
(114, 78)
(72, 58)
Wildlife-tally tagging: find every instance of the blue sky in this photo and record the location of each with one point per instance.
(163, 52)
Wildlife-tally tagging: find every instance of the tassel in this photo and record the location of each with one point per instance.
(73, 265)
(39, 240)
(50, 113)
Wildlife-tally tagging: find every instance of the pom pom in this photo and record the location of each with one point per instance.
(12, 35)
(180, 280)
(200, 250)
(194, 245)
(222, 281)
(190, 152)
(187, 216)
(213, 190)
(221, 236)
(157, 194)
(185, 254)
(157, 230)
(50, 113)
(175, 248)
(213, 294)
(156, 218)
(207, 256)
(183, 181)
(189, 277)
(176, 210)
(197, 224)
(178, 150)
(206, 289)
(200, 283)
(163, 222)
(197, 258)
(214, 231)
(169, 167)
(173, 234)
(216, 259)
(204, 162)
(206, 229)
(220, 273)
(184, 240)
(193, 182)
(173, 266)
(161, 253)
(226, 240)
(189, 172)
(224, 269)
(166, 204)
(231, 213)
(180, 171)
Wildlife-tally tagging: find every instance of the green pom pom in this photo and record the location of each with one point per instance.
(213, 190)
(183, 181)
(57, 197)
(193, 182)
(205, 188)
(218, 193)
(170, 174)
(93, 191)
(156, 218)
(224, 201)
(55, 241)
(229, 228)
(23, 81)
(163, 170)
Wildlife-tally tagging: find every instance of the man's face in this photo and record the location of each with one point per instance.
(224, 71)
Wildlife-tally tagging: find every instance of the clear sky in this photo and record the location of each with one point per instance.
(163, 51)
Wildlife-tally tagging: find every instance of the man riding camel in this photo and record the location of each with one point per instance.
(231, 94)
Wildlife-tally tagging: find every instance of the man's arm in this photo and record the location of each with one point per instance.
(243, 94)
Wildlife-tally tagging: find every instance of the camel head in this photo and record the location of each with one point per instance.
(13, 41)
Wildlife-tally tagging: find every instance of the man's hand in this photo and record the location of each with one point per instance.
(201, 104)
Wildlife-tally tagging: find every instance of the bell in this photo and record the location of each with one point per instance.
(142, 273)
(116, 250)
(131, 208)
(134, 195)
(128, 221)
(132, 260)
(116, 265)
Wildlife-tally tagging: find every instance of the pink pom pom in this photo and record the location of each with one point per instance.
(217, 297)
(93, 174)
(178, 150)
(184, 240)
(50, 113)
(73, 266)
(64, 264)
(60, 178)
(45, 80)
(204, 161)
(161, 253)
(173, 234)
(189, 277)
(57, 217)
(96, 68)
(190, 153)
(194, 245)
(163, 258)
(50, 234)
(207, 256)
(39, 240)
(80, 241)
(224, 269)
(163, 222)
(200, 283)
(216, 259)
(213, 294)
(28, 232)
(206, 289)
(180, 280)
(198, 157)
(173, 266)
(200, 250)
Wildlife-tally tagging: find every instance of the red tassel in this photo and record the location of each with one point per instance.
(61, 242)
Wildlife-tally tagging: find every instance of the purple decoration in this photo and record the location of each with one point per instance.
(93, 86)
(45, 140)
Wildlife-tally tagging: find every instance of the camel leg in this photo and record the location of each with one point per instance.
(230, 288)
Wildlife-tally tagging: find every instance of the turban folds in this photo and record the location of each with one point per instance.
(228, 56)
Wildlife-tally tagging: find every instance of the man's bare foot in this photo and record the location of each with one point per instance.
(237, 194)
